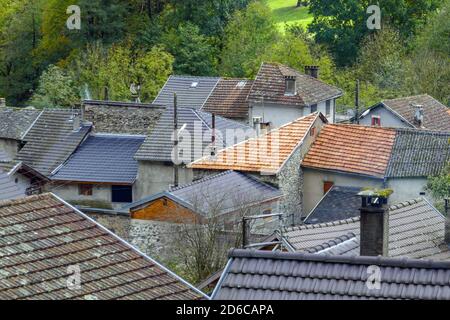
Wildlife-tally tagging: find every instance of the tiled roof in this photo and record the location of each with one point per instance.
(122, 117)
(41, 236)
(339, 203)
(419, 153)
(352, 148)
(192, 92)
(265, 275)
(103, 158)
(346, 245)
(229, 98)
(221, 193)
(266, 153)
(270, 86)
(15, 122)
(8, 189)
(436, 115)
(51, 140)
(416, 230)
(158, 145)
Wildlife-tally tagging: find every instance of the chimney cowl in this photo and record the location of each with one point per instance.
(312, 71)
(418, 113)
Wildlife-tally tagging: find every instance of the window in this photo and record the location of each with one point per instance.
(85, 189)
(376, 121)
(121, 193)
(327, 185)
(313, 108)
(328, 107)
(290, 86)
(312, 132)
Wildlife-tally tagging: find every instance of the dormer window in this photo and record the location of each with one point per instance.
(290, 86)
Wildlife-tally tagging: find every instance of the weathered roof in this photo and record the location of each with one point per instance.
(346, 245)
(42, 237)
(51, 140)
(352, 148)
(8, 188)
(266, 275)
(103, 158)
(270, 86)
(15, 122)
(435, 116)
(218, 194)
(229, 98)
(158, 145)
(122, 117)
(192, 92)
(266, 153)
(339, 203)
(419, 153)
(416, 230)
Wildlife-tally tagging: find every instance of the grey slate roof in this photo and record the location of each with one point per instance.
(416, 230)
(265, 275)
(103, 158)
(15, 122)
(346, 245)
(8, 188)
(158, 145)
(419, 153)
(339, 203)
(41, 236)
(188, 95)
(221, 193)
(51, 140)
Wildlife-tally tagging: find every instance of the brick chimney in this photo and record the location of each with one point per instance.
(312, 71)
(374, 224)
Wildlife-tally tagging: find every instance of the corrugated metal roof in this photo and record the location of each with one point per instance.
(266, 275)
(103, 158)
(416, 230)
(158, 145)
(339, 203)
(192, 92)
(42, 237)
(51, 140)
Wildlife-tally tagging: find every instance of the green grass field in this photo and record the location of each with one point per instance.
(285, 11)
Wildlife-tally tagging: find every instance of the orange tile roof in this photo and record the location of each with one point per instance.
(263, 154)
(352, 148)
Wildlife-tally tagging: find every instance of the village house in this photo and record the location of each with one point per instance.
(359, 156)
(421, 112)
(331, 260)
(277, 96)
(196, 130)
(56, 237)
(227, 196)
(274, 158)
(102, 171)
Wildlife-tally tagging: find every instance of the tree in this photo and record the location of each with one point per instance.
(248, 37)
(440, 186)
(192, 51)
(341, 24)
(56, 89)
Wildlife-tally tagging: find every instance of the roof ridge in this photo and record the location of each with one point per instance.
(331, 243)
(211, 177)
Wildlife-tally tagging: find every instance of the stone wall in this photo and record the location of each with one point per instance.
(125, 118)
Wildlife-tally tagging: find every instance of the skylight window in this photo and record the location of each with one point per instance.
(194, 84)
(241, 84)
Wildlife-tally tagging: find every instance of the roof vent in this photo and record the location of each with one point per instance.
(194, 84)
(418, 114)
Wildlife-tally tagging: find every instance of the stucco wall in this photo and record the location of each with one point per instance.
(314, 179)
(10, 147)
(279, 115)
(408, 189)
(387, 119)
(154, 177)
